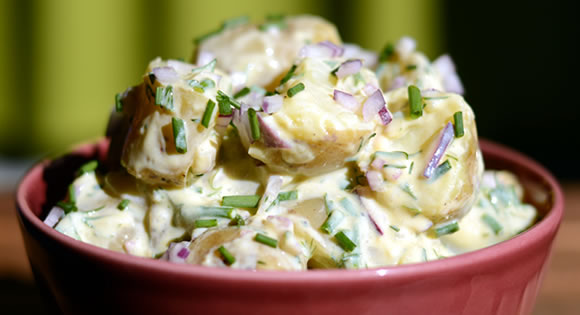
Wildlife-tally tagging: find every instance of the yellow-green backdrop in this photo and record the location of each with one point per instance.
(62, 61)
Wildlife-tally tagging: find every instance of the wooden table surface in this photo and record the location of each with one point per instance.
(560, 293)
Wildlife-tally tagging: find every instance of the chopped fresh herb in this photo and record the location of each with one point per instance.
(410, 67)
(406, 188)
(332, 221)
(358, 78)
(118, 103)
(452, 157)
(458, 124)
(243, 92)
(387, 52)
(288, 75)
(345, 242)
(348, 206)
(164, 97)
(391, 155)
(72, 195)
(441, 169)
(67, 206)
(207, 115)
(492, 223)
(224, 105)
(123, 204)
(212, 212)
(88, 167)
(416, 108)
(207, 83)
(228, 258)
(254, 125)
(413, 211)
(205, 223)
(270, 93)
(432, 98)
(179, 135)
(196, 85)
(241, 201)
(209, 67)
(287, 195)
(223, 97)
(237, 221)
(395, 166)
(363, 142)
(447, 228)
(394, 228)
(261, 238)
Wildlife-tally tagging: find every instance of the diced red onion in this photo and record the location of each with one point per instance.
(385, 116)
(271, 192)
(224, 120)
(373, 105)
(348, 67)
(272, 103)
(271, 136)
(204, 57)
(352, 51)
(166, 75)
(337, 51)
(177, 252)
(393, 173)
(346, 100)
(398, 82)
(242, 123)
(369, 89)
(54, 216)
(359, 192)
(183, 253)
(375, 180)
(451, 82)
(378, 163)
(443, 142)
(375, 224)
(405, 46)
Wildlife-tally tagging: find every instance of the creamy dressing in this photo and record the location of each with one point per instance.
(322, 186)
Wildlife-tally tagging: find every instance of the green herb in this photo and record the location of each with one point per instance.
(387, 52)
(208, 113)
(228, 258)
(287, 195)
(179, 135)
(391, 155)
(363, 142)
(288, 75)
(72, 195)
(492, 223)
(241, 201)
(445, 229)
(243, 92)
(123, 204)
(416, 108)
(205, 223)
(224, 105)
(441, 169)
(254, 125)
(452, 157)
(358, 78)
(332, 221)
(208, 83)
(458, 124)
(432, 98)
(209, 211)
(88, 167)
(406, 188)
(164, 97)
(413, 211)
(394, 228)
(348, 206)
(196, 85)
(237, 221)
(345, 242)
(394, 166)
(261, 238)
(270, 93)
(118, 103)
(225, 98)
(209, 67)
(411, 67)
(67, 206)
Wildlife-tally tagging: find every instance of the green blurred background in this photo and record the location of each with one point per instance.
(62, 61)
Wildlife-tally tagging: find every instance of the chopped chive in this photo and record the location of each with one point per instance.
(254, 126)
(452, 157)
(344, 241)
(413, 211)
(207, 83)
(179, 135)
(348, 206)
(394, 166)
(411, 67)
(287, 195)
(205, 223)
(123, 204)
(416, 108)
(67, 206)
(411, 167)
(492, 223)
(406, 188)
(208, 113)
(164, 97)
(237, 221)
(72, 195)
(228, 258)
(445, 229)
(225, 98)
(196, 85)
(241, 201)
(209, 67)
(432, 98)
(391, 154)
(458, 124)
(394, 228)
(243, 92)
(224, 106)
(118, 103)
(295, 89)
(387, 52)
(88, 167)
(261, 238)
(270, 93)
(332, 221)
(441, 169)
(288, 75)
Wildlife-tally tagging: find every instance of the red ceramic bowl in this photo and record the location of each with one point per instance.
(84, 279)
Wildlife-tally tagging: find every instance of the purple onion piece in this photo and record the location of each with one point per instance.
(375, 180)
(348, 67)
(166, 75)
(385, 116)
(271, 192)
(373, 105)
(54, 216)
(352, 51)
(443, 142)
(346, 100)
(240, 120)
(272, 104)
(451, 82)
(378, 163)
(224, 120)
(337, 51)
(271, 136)
(183, 253)
(363, 203)
(177, 252)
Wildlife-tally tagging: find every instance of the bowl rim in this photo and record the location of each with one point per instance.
(460, 263)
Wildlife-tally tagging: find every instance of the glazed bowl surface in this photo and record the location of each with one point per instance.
(80, 278)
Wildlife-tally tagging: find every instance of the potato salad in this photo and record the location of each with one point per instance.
(279, 147)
